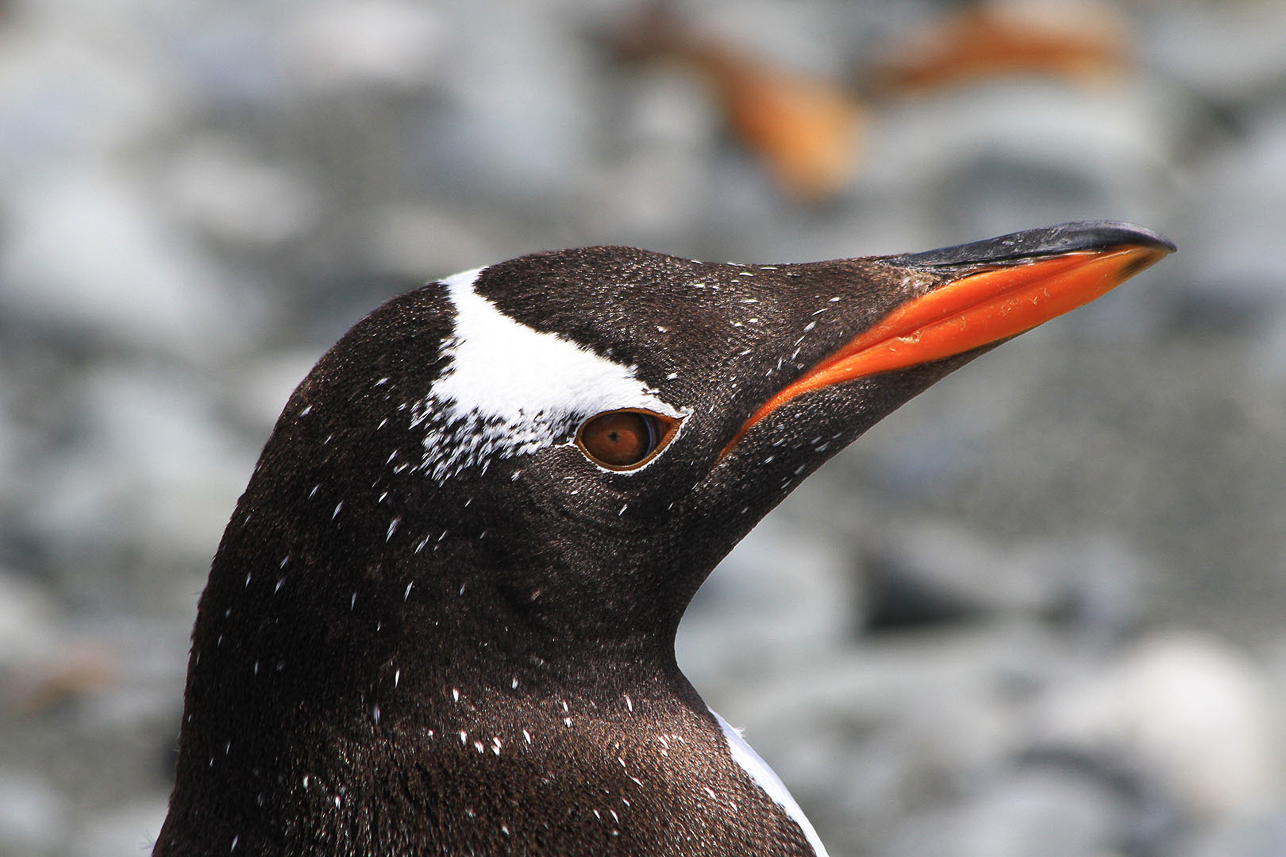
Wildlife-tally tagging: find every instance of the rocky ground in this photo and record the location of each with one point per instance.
(1039, 611)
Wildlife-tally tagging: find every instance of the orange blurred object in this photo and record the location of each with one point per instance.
(1074, 41)
(805, 129)
(84, 669)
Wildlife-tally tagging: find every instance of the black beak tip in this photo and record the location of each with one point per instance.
(1082, 235)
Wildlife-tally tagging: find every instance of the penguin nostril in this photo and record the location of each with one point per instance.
(624, 440)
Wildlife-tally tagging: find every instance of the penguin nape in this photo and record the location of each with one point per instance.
(441, 619)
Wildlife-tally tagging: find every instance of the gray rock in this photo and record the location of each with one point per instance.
(349, 45)
(1030, 813)
(125, 831)
(88, 253)
(33, 815)
(226, 192)
(1195, 712)
(1257, 834)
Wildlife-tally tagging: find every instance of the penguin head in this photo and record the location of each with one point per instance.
(555, 451)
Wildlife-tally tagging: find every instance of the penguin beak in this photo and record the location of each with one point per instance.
(990, 291)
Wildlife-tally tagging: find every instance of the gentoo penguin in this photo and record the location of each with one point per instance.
(442, 617)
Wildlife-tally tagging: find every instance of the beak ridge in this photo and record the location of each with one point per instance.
(1080, 236)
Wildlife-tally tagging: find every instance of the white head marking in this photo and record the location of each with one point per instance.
(509, 389)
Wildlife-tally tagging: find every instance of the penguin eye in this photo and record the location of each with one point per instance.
(624, 440)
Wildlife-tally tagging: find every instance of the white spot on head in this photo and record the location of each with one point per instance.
(510, 390)
(764, 777)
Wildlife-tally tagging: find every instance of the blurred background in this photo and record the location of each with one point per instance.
(1039, 611)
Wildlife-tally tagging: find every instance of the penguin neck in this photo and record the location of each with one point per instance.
(296, 628)
(411, 636)
(435, 755)
(312, 673)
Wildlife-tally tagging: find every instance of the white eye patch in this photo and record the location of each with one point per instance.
(510, 390)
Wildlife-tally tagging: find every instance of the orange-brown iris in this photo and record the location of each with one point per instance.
(623, 440)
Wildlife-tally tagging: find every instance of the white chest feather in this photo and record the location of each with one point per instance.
(764, 777)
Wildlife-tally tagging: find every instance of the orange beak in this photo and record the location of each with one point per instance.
(980, 308)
